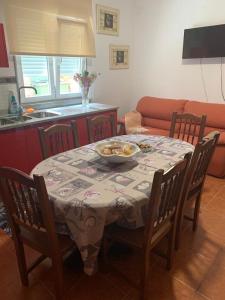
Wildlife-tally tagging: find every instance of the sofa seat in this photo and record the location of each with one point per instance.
(156, 131)
(156, 117)
(215, 121)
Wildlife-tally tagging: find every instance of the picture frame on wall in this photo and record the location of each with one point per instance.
(119, 57)
(107, 20)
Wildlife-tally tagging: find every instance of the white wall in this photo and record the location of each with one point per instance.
(112, 86)
(115, 86)
(158, 66)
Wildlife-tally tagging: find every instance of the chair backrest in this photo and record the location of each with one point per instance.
(58, 138)
(200, 160)
(165, 198)
(101, 127)
(29, 212)
(187, 127)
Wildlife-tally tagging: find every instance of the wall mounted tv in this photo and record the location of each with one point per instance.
(204, 42)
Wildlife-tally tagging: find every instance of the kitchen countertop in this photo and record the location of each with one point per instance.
(64, 112)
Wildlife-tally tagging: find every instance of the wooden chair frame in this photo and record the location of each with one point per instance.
(187, 126)
(195, 180)
(31, 220)
(99, 122)
(56, 138)
(162, 217)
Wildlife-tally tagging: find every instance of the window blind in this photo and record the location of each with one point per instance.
(50, 28)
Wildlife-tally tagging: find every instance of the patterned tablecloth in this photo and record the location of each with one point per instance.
(88, 193)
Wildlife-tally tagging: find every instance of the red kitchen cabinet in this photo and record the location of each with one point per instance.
(13, 149)
(33, 144)
(20, 148)
(4, 63)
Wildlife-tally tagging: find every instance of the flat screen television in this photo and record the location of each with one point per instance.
(204, 42)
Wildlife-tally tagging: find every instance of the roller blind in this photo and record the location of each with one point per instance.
(50, 27)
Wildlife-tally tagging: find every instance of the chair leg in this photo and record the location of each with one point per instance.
(58, 273)
(21, 261)
(179, 225)
(179, 230)
(196, 212)
(106, 246)
(171, 244)
(144, 286)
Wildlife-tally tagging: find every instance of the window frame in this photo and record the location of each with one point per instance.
(54, 81)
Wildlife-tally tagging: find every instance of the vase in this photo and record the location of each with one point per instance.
(84, 94)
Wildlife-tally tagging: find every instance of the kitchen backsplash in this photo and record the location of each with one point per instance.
(4, 93)
(6, 87)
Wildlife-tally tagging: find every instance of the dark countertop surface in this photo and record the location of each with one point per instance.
(62, 113)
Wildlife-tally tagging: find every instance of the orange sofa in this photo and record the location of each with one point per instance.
(156, 117)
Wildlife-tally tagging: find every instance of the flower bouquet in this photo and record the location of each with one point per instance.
(85, 81)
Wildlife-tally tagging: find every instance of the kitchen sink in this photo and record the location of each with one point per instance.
(19, 118)
(5, 121)
(13, 119)
(43, 114)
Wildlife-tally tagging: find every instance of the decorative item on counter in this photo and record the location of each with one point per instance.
(29, 110)
(85, 81)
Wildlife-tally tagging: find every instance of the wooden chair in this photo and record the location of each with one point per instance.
(101, 127)
(187, 127)
(195, 180)
(31, 220)
(162, 212)
(57, 138)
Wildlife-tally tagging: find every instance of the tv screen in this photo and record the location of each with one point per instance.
(204, 42)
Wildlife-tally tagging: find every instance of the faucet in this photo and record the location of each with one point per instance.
(20, 107)
(25, 87)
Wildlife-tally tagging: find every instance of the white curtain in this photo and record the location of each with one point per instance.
(50, 27)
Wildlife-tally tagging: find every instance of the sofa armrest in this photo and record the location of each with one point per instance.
(121, 124)
(221, 140)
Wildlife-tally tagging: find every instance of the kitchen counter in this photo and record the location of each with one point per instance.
(62, 113)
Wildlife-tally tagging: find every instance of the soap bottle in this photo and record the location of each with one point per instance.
(13, 105)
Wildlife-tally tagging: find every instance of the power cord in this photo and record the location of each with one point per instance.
(221, 78)
(203, 80)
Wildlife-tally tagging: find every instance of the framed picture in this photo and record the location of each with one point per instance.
(107, 20)
(119, 57)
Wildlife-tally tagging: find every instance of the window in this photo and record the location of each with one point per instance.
(51, 76)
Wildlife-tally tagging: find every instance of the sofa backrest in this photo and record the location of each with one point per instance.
(157, 112)
(215, 112)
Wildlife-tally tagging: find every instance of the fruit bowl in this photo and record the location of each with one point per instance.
(116, 151)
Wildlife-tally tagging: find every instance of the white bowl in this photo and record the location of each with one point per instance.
(117, 158)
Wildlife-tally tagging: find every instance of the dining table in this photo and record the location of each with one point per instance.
(88, 193)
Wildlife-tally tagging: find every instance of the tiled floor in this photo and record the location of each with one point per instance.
(198, 272)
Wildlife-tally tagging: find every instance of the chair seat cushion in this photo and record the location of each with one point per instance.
(135, 237)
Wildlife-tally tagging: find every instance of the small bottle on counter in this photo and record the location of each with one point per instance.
(13, 105)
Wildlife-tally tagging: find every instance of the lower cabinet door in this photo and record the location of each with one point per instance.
(13, 149)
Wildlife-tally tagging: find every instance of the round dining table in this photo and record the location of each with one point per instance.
(88, 193)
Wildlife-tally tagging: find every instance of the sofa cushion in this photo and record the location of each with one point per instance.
(216, 167)
(159, 108)
(215, 112)
(157, 131)
(156, 123)
(221, 140)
